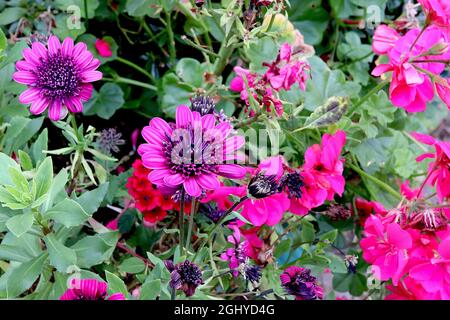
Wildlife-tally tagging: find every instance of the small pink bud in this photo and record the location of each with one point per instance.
(134, 138)
(103, 48)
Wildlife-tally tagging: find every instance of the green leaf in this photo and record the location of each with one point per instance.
(69, 24)
(310, 18)
(3, 42)
(9, 15)
(260, 51)
(126, 221)
(40, 145)
(21, 223)
(191, 71)
(308, 234)
(25, 161)
(68, 5)
(115, 284)
(175, 93)
(61, 257)
(150, 290)
(132, 265)
(20, 131)
(94, 250)
(57, 192)
(68, 212)
(140, 8)
(44, 177)
(106, 102)
(326, 83)
(23, 277)
(91, 200)
(6, 163)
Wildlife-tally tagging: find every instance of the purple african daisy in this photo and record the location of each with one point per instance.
(191, 152)
(58, 77)
(300, 283)
(185, 276)
(89, 289)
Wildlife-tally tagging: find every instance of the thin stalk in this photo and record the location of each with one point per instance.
(172, 50)
(181, 221)
(136, 67)
(377, 88)
(219, 223)
(419, 35)
(132, 82)
(378, 182)
(86, 23)
(191, 224)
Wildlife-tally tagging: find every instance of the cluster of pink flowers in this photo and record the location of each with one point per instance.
(282, 73)
(416, 61)
(410, 244)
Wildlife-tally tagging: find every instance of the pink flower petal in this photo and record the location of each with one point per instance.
(29, 96)
(54, 45)
(192, 188)
(183, 116)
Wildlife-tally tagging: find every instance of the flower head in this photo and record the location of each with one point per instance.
(185, 276)
(203, 105)
(415, 63)
(439, 169)
(110, 140)
(385, 246)
(89, 289)
(300, 283)
(58, 77)
(190, 153)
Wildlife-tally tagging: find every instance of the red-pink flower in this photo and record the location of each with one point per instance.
(439, 169)
(103, 48)
(411, 62)
(385, 246)
(437, 11)
(434, 275)
(58, 77)
(268, 209)
(321, 173)
(190, 153)
(384, 39)
(89, 289)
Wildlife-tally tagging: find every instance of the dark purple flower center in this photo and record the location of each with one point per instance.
(262, 186)
(214, 214)
(189, 273)
(58, 77)
(303, 285)
(191, 152)
(292, 183)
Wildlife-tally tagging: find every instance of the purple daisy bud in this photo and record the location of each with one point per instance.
(110, 140)
(185, 276)
(212, 213)
(58, 77)
(300, 283)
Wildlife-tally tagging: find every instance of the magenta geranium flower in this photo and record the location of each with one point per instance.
(434, 275)
(439, 169)
(321, 174)
(191, 153)
(384, 39)
(411, 86)
(386, 247)
(437, 11)
(58, 77)
(89, 289)
(271, 205)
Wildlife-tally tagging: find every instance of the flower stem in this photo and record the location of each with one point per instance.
(132, 82)
(136, 67)
(172, 51)
(224, 53)
(375, 90)
(378, 182)
(191, 223)
(181, 221)
(86, 23)
(219, 223)
(419, 35)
